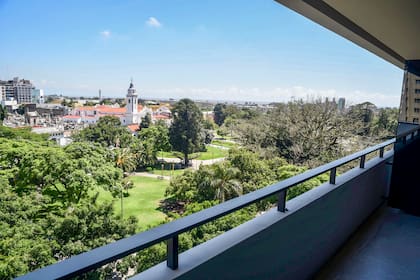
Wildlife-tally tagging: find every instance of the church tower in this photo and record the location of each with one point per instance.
(131, 105)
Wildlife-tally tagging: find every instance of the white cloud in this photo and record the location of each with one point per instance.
(105, 34)
(153, 22)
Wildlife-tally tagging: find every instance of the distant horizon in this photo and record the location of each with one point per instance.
(228, 101)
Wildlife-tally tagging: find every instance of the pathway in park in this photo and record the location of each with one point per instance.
(195, 162)
(195, 165)
(150, 175)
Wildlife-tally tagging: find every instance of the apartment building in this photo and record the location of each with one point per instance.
(410, 99)
(19, 90)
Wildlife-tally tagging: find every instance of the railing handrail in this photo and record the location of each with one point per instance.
(97, 257)
(408, 132)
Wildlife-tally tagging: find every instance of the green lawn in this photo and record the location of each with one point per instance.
(212, 153)
(143, 201)
(226, 144)
(166, 155)
(166, 172)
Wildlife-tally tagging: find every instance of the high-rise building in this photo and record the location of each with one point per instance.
(2, 92)
(7, 89)
(410, 99)
(19, 90)
(23, 90)
(341, 103)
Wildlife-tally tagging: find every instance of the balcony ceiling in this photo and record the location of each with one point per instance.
(388, 28)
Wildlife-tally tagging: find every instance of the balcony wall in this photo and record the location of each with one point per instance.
(290, 245)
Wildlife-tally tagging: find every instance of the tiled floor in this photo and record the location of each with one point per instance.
(387, 246)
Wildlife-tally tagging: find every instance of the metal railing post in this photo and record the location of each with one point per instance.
(172, 252)
(362, 161)
(281, 203)
(381, 152)
(333, 173)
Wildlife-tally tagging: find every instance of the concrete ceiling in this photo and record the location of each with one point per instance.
(388, 28)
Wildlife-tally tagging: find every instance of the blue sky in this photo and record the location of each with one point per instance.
(217, 50)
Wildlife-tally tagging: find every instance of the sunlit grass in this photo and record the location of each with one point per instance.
(166, 172)
(143, 201)
(227, 144)
(212, 153)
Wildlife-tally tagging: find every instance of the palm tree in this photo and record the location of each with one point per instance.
(125, 159)
(225, 181)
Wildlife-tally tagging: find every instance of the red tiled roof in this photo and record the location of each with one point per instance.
(110, 110)
(110, 115)
(86, 108)
(106, 109)
(133, 127)
(71, 117)
(161, 117)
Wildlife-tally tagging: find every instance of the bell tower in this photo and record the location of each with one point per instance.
(131, 104)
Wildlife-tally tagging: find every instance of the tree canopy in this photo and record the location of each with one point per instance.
(185, 132)
(48, 202)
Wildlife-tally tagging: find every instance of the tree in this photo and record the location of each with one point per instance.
(157, 137)
(385, 125)
(185, 132)
(224, 179)
(48, 206)
(125, 159)
(65, 175)
(364, 113)
(219, 113)
(146, 121)
(107, 132)
(310, 133)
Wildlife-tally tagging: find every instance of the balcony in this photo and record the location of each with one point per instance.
(386, 246)
(362, 224)
(297, 240)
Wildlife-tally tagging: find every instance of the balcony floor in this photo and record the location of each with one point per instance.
(387, 246)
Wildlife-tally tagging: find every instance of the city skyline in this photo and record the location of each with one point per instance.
(239, 50)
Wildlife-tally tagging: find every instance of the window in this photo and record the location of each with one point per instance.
(417, 90)
(416, 110)
(416, 120)
(417, 82)
(416, 100)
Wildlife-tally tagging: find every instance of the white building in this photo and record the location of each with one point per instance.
(19, 90)
(131, 100)
(2, 92)
(131, 114)
(134, 112)
(37, 96)
(23, 90)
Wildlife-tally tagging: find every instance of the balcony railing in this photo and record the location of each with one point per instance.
(169, 232)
